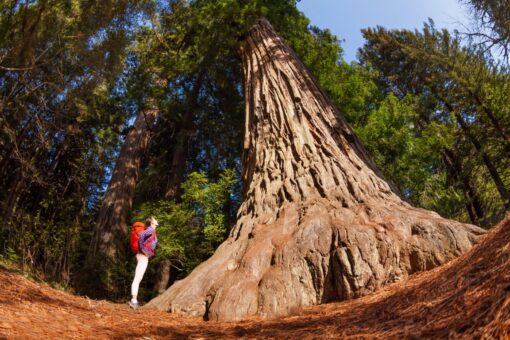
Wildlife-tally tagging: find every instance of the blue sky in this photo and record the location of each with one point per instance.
(345, 18)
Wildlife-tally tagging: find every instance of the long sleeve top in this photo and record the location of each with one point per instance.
(145, 244)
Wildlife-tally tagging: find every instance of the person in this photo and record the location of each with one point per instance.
(147, 242)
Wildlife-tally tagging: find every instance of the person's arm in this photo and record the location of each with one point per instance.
(154, 243)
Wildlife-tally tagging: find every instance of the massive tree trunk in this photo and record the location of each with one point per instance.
(318, 222)
(109, 240)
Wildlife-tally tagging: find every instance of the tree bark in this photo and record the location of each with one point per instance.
(163, 276)
(318, 221)
(176, 173)
(108, 242)
(181, 148)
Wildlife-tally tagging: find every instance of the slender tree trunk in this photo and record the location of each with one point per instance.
(503, 192)
(29, 34)
(181, 148)
(318, 222)
(473, 204)
(176, 173)
(492, 117)
(500, 186)
(163, 276)
(6, 156)
(108, 242)
(14, 192)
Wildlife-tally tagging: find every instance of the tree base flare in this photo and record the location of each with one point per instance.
(315, 253)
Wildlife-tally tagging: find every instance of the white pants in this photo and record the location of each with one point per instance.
(141, 265)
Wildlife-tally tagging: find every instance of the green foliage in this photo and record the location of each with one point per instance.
(389, 136)
(60, 62)
(10, 255)
(460, 117)
(190, 231)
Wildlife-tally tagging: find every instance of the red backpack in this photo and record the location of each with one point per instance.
(137, 229)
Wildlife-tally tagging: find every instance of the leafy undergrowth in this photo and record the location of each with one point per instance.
(468, 297)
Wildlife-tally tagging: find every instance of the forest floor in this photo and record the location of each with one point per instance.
(468, 297)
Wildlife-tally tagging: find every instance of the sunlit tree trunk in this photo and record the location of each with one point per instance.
(318, 222)
(110, 234)
(178, 165)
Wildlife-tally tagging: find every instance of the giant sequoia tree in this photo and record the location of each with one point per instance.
(318, 221)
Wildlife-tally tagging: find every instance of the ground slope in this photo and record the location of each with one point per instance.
(468, 297)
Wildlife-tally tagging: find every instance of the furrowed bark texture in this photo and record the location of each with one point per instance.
(318, 222)
(108, 242)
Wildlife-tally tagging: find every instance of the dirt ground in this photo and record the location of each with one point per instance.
(466, 298)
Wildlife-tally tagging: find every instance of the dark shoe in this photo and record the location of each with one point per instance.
(133, 305)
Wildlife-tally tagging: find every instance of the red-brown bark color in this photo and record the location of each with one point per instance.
(318, 221)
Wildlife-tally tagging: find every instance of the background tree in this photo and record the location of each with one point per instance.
(457, 93)
(59, 66)
(492, 23)
(107, 249)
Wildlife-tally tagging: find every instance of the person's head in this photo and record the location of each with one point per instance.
(151, 222)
